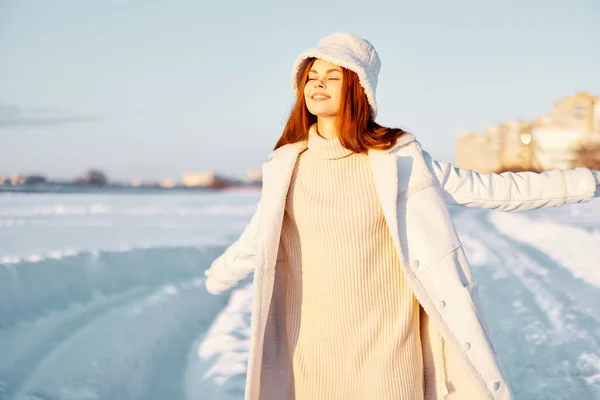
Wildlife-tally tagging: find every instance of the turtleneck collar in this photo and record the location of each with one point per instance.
(326, 148)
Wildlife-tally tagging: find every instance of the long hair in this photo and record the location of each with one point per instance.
(356, 128)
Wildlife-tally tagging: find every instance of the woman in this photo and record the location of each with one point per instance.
(361, 288)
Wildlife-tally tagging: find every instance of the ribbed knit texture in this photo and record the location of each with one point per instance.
(352, 319)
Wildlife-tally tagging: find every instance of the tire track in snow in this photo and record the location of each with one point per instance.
(15, 374)
(135, 349)
(538, 312)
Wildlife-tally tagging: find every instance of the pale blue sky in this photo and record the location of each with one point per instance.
(151, 89)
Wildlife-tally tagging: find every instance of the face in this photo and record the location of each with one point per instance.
(323, 90)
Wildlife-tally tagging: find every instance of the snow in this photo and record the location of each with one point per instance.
(567, 245)
(103, 297)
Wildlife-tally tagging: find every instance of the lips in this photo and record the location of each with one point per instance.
(319, 96)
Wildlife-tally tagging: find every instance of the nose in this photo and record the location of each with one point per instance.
(319, 83)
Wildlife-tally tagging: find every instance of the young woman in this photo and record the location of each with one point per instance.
(361, 286)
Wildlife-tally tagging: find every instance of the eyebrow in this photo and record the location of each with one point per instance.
(328, 71)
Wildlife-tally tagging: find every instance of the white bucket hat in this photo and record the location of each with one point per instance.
(350, 52)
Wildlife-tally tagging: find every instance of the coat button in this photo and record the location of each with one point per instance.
(442, 304)
(466, 346)
(414, 264)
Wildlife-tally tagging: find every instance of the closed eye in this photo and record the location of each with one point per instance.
(331, 79)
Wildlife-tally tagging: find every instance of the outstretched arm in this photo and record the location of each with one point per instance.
(236, 262)
(512, 191)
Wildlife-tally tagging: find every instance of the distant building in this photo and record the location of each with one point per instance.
(574, 119)
(18, 179)
(546, 143)
(469, 152)
(253, 176)
(199, 179)
(167, 183)
(204, 179)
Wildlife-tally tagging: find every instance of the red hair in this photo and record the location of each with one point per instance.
(356, 128)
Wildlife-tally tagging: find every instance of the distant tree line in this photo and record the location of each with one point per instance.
(92, 177)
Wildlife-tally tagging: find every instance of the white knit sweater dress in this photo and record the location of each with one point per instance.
(352, 319)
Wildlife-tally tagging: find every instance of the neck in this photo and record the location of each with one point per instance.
(327, 127)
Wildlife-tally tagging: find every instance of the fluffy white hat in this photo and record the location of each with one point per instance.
(348, 51)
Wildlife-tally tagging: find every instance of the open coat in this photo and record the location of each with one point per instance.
(414, 191)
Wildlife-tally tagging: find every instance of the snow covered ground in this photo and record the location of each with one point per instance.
(102, 296)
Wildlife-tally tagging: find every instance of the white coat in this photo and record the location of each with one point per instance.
(414, 191)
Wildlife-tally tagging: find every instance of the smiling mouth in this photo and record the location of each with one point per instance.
(319, 97)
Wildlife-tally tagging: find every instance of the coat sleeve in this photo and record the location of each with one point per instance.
(236, 262)
(512, 191)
